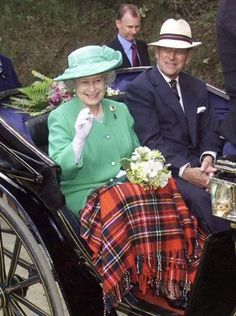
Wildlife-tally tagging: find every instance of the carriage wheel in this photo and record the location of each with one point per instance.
(27, 285)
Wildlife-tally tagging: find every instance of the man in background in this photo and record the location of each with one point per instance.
(226, 36)
(134, 51)
(10, 81)
(8, 76)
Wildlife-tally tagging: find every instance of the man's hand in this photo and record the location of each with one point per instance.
(207, 166)
(196, 176)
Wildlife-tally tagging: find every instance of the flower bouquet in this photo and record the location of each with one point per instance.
(42, 96)
(147, 167)
(45, 94)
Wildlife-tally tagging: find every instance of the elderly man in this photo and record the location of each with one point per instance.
(134, 52)
(172, 114)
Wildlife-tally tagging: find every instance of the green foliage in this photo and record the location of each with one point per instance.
(41, 34)
(42, 96)
(33, 98)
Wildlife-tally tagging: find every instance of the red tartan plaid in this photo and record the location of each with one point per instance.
(142, 236)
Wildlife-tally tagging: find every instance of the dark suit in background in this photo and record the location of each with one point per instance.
(142, 51)
(8, 76)
(226, 36)
(9, 80)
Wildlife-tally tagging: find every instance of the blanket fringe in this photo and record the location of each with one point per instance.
(161, 273)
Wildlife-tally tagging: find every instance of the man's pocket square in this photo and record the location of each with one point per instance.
(201, 109)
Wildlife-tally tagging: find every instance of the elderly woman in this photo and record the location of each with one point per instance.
(138, 236)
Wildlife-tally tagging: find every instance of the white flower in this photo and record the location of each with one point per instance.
(146, 167)
(152, 167)
(111, 92)
(135, 156)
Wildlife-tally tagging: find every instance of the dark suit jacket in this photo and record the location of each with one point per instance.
(226, 35)
(8, 76)
(9, 80)
(142, 51)
(161, 123)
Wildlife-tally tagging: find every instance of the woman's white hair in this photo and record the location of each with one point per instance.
(109, 77)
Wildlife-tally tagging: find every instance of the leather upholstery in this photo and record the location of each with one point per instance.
(38, 128)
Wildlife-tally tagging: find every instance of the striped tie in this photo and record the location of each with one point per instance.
(135, 59)
(173, 85)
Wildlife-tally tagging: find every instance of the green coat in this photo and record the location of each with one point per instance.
(106, 144)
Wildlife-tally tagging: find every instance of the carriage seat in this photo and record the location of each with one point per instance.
(38, 129)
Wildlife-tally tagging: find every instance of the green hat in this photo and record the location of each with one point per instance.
(90, 60)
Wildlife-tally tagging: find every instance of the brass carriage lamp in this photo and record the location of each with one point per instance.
(223, 189)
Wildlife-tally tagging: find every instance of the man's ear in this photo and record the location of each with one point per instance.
(118, 24)
(189, 56)
(157, 52)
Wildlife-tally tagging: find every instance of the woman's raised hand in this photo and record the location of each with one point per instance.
(83, 124)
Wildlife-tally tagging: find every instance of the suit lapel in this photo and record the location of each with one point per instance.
(168, 97)
(190, 107)
(140, 52)
(126, 61)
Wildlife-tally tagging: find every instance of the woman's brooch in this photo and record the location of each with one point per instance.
(112, 108)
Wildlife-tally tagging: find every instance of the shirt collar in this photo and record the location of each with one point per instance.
(124, 42)
(167, 79)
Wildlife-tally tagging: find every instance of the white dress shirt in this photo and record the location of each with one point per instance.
(211, 153)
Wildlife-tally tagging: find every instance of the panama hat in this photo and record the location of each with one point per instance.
(90, 60)
(175, 34)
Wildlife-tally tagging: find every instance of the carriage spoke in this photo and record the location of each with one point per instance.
(8, 230)
(14, 260)
(2, 261)
(17, 309)
(8, 311)
(27, 283)
(23, 284)
(38, 311)
(21, 262)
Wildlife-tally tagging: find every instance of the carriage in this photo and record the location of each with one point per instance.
(46, 267)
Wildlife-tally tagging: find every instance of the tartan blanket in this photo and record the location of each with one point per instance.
(144, 237)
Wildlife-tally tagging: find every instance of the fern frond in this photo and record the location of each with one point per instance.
(19, 103)
(27, 104)
(22, 102)
(40, 76)
(37, 97)
(38, 90)
(38, 112)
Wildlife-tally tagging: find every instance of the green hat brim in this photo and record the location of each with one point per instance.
(88, 70)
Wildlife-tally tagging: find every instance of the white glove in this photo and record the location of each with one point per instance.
(83, 125)
(121, 173)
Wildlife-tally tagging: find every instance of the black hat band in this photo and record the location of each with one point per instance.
(176, 37)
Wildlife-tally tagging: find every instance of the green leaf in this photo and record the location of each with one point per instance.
(125, 163)
(33, 98)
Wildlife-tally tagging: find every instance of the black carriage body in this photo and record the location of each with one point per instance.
(48, 219)
(29, 181)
